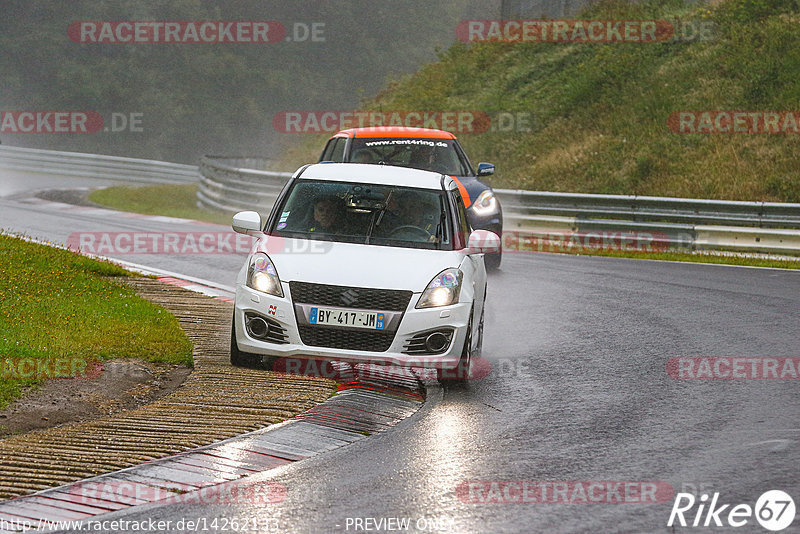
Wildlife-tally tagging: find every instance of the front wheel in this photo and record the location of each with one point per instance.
(477, 352)
(247, 359)
(460, 373)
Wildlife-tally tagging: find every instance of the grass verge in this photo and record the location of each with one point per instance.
(165, 200)
(61, 312)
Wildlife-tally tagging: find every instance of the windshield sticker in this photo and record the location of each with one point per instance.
(423, 142)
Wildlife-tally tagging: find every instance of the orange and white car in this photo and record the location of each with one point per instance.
(426, 149)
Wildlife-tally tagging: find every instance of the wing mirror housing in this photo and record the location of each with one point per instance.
(247, 222)
(485, 169)
(483, 242)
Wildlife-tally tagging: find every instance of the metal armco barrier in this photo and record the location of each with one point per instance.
(95, 166)
(652, 209)
(681, 223)
(234, 184)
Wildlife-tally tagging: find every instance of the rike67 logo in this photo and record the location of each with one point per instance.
(774, 510)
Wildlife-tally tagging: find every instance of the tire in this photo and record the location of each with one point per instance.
(493, 260)
(478, 352)
(460, 374)
(246, 359)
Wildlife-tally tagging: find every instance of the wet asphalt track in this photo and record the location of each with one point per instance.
(578, 391)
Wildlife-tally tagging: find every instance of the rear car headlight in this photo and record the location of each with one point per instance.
(443, 290)
(485, 204)
(262, 276)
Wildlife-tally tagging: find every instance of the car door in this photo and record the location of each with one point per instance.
(473, 267)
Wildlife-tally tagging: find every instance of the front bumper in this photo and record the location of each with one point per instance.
(413, 322)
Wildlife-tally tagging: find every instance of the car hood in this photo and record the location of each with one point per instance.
(350, 264)
(473, 186)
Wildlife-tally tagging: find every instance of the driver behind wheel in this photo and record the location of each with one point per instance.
(362, 156)
(327, 215)
(428, 158)
(412, 216)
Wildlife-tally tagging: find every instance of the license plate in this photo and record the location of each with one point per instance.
(353, 319)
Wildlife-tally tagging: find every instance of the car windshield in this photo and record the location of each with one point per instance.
(438, 155)
(365, 213)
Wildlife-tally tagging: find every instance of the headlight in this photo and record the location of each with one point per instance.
(262, 276)
(485, 204)
(443, 290)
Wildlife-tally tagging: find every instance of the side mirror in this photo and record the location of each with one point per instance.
(483, 242)
(485, 169)
(247, 222)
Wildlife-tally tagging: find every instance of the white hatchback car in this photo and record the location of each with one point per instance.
(363, 263)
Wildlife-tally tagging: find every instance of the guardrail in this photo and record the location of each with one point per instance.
(644, 208)
(236, 184)
(669, 222)
(95, 166)
(229, 184)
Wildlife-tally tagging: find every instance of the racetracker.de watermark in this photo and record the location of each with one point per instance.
(194, 32)
(106, 243)
(126, 32)
(75, 122)
(40, 368)
(734, 368)
(566, 31)
(734, 122)
(479, 369)
(100, 243)
(586, 241)
(564, 492)
(459, 122)
(99, 492)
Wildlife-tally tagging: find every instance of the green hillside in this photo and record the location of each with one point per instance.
(600, 110)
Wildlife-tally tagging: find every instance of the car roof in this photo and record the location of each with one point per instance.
(395, 131)
(376, 174)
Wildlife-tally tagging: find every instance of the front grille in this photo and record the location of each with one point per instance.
(362, 298)
(337, 338)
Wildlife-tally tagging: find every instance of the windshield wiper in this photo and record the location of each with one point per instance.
(376, 221)
(383, 209)
(440, 229)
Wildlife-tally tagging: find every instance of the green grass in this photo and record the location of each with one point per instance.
(601, 109)
(60, 312)
(167, 200)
